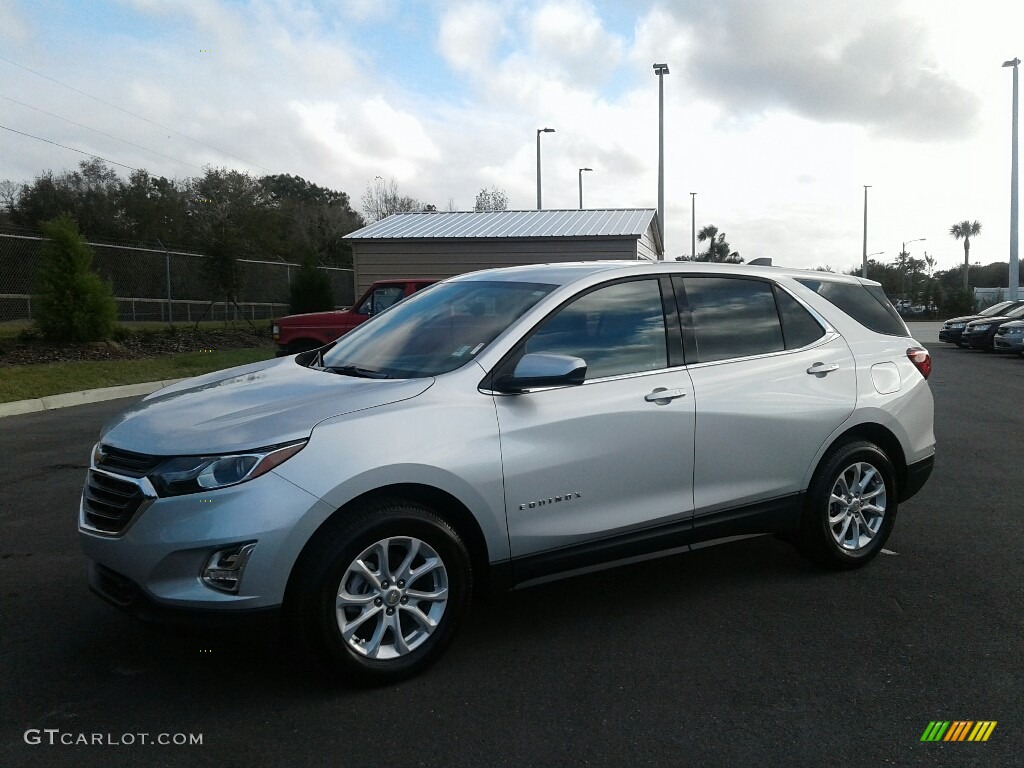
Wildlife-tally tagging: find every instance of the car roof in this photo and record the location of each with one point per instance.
(569, 272)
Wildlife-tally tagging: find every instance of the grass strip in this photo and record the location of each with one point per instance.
(23, 382)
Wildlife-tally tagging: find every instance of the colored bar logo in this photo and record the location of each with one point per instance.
(958, 730)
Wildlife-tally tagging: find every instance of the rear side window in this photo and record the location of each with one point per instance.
(799, 328)
(866, 304)
(733, 317)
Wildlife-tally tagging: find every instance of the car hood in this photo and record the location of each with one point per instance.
(247, 407)
(990, 320)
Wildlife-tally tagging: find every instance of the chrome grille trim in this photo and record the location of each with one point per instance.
(112, 502)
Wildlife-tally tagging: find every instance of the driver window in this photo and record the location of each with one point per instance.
(617, 329)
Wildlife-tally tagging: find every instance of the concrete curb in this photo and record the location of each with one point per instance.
(68, 399)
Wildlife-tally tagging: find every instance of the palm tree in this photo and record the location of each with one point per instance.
(708, 234)
(718, 246)
(965, 230)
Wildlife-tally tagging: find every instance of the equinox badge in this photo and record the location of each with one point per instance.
(552, 500)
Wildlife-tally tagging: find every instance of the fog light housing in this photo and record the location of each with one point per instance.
(225, 567)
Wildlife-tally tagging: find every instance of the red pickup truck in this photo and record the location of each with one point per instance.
(299, 333)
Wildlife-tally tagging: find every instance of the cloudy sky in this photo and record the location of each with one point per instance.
(777, 112)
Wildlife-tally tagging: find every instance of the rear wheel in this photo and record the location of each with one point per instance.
(850, 508)
(379, 595)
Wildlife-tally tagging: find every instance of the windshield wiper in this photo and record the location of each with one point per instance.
(354, 370)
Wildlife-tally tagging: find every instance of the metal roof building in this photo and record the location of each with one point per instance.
(442, 244)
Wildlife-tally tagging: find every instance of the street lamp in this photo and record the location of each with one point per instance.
(539, 132)
(661, 70)
(864, 265)
(693, 226)
(1014, 262)
(903, 266)
(581, 184)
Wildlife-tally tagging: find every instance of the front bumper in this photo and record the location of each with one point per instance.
(977, 340)
(951, 335)
(1008, 343)
(159, 559)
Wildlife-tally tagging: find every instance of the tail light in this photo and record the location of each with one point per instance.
(921, 359)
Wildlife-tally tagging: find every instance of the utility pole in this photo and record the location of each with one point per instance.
(1014, 261)
(661, 70)
(539, 132)
(693, 226)
(864, 266)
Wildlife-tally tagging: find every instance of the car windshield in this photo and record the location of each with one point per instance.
(1018, 312)
(434, 331)
(996, 309)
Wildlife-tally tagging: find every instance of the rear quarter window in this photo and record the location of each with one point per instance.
(867, 304)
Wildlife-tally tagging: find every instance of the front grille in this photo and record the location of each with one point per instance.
(109, 503)
(127, 462)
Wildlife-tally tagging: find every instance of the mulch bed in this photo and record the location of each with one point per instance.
(28, 348)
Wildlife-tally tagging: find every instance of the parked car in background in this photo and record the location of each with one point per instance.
(301, 333)
(506, 427)
(1010, 337)
(979, 334)
(953, 328)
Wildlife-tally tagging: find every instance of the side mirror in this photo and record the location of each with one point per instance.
(543, 370)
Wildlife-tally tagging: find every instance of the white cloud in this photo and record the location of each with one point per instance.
(469, 34)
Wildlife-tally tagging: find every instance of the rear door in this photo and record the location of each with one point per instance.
(771, 382)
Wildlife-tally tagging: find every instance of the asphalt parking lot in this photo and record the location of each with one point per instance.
(738, 655)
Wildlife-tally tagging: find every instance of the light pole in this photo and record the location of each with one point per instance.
(693, 226)
(539, 132)
(864, 267)
(1014, 262)
(661, 70)
(581, 184)
(903, 267)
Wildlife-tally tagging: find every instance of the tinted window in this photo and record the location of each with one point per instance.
(381, 299)
(617, 329)
(436, 330)
(799, 328)
(866, 304)
(733, 317)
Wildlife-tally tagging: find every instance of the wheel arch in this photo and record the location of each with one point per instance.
(442, 503)
(881, 436)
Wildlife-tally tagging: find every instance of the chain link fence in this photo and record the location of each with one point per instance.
(160, 285)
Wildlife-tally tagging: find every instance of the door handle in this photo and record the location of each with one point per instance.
(662, 395)
(822, 368)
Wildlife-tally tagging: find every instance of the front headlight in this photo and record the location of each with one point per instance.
(193, 474)
(975, 328)
(957, 325)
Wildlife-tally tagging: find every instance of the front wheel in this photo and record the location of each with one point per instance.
(850, 507)
(378, 597)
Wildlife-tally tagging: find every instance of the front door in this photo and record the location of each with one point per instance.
(613, 455)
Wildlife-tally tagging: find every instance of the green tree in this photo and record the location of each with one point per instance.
(310, 290)
(72, 302)
(965, 230)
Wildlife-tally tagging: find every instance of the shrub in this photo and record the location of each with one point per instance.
(310, 290)
(72, 302)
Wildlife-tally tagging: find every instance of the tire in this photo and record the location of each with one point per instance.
(356, 614)
(838, 529)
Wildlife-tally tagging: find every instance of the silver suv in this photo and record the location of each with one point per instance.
(503, 428)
